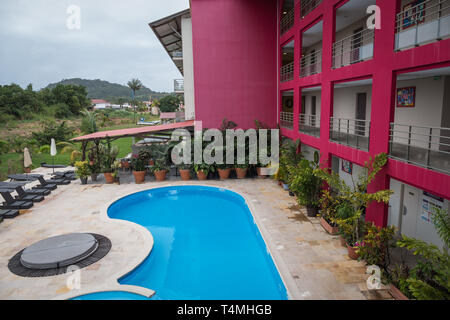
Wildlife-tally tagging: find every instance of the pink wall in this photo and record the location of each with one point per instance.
(235, 61)
(383, 68)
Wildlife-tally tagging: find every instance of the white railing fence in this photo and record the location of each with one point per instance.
(287, 120)
(311, 64)
(425, 22)
(354, 48)
(287, 72)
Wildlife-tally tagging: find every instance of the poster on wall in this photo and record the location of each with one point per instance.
(414, 13)
(347, 166)
(430, 203)
(406, 97)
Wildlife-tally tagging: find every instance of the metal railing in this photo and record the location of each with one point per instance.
(177, 54)
(307, 6)
(311, 64)
(354, 48)
(427, 147)
(287, 120)
(425, 22)
(309, 124)
(351, 132)
(287, 21)
(178, 85)
(287, 72)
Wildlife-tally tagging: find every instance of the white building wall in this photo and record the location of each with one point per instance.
(188, 67)
(427, 111)
(410, 222)
(345, 100)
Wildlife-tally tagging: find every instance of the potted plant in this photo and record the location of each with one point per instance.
(115, 171)
(160, 170)
(355, 199)
(241, 170)
(224, 171)
(82, 171)
(329, 204)
(107, 156)
(185, 171)
(139, 163)
(203, 170)
(306, 185)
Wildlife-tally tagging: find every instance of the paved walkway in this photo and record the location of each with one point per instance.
(312, 263)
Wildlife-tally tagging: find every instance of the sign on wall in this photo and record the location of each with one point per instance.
(406, 97)
(347, 166)
(430, 203)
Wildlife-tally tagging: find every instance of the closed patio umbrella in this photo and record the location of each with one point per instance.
(53, 152)
(27, 158)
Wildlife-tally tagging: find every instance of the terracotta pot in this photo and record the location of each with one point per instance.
(108, 177)
(27, 170)
(160, 175)
(125, 164)
(241, 173)
(151, 163)
(343, 242)
(224, 173)
(139, 176)
(258, 170)
(352, 252)
(328, 228)
(185, 174)
(396, 293)
(201, 175)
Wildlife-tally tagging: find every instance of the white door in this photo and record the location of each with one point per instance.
(410, 212)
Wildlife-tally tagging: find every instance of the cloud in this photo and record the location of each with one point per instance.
(114, 43)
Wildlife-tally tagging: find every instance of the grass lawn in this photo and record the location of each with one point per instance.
(124, 145)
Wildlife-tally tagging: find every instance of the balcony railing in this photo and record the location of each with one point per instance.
(287, 21)
(178, 85)
(311, 64)
(425, 22)
(351, 132)
(354, 48)
(307, 6)
(428, 147)
(309, 124)
(287, 120)
(287, 72)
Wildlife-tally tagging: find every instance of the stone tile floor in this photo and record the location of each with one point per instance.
(313, 264)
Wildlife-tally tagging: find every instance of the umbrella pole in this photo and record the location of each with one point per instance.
(53, 162)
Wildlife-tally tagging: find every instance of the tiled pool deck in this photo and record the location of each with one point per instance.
(312, 263)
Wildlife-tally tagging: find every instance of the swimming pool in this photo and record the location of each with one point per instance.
(206, 246)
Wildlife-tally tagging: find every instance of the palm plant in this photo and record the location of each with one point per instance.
(354, 199)
(135, 85)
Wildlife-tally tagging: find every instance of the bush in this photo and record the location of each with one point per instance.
(51, 129)
(61, 111)
(305, 184)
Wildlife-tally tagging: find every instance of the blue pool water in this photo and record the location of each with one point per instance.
(206, 246)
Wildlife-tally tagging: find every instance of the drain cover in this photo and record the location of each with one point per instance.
(59, 251)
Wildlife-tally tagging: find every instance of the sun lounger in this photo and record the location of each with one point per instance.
(24, 177)
(55, 166)
(8, 214)
(28, 197)
(38, 192)
(11, 185)
(44, 184)
(12, 204)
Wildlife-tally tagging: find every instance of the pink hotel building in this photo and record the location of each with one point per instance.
(317, 70)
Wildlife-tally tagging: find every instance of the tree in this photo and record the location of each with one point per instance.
(135, 85)
(169, 104)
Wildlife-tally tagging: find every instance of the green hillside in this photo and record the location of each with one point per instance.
(100, 89)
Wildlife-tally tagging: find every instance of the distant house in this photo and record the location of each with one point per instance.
(100, 104)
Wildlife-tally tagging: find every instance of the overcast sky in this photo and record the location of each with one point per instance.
(114, 43)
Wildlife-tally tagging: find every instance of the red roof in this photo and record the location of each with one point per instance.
(134, 131)
(95, 101)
